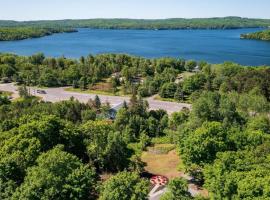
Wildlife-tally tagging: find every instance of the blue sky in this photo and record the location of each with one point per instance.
(148, 9)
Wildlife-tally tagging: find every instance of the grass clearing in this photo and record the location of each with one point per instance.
(166, 164)
(187, 74)
(31, 98)
(103, 87)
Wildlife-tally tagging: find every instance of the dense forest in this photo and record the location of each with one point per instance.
(124, 74)
(177, 23)
(20, 33)
(261, 35)
(63, 150)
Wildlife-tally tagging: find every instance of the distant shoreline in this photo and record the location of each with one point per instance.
(23, 33)
(145, 24)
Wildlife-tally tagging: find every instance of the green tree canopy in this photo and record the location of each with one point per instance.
(58, 175)
(125, 186)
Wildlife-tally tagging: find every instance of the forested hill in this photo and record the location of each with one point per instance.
(14, 30)
(262, 35)
(20, 33)
(177, 23)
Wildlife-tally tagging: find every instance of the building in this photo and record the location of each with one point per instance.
(113, 111)
(196, 69)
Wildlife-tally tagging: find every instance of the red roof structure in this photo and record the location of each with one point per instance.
(159, 180)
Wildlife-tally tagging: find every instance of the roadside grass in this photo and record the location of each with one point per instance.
(5, 93)
(33, 98)
(165, 164)
(159, 98)
(103, 87)
(98, 92)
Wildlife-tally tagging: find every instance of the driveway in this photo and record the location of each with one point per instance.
(59, 94)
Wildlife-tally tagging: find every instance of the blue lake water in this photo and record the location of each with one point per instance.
(214, 46)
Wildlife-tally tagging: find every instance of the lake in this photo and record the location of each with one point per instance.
(214, 46)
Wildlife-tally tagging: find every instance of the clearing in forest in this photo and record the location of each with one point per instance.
(162, 159)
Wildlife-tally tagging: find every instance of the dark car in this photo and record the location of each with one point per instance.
(41, 92)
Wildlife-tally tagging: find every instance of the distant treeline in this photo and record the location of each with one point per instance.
(20, 33)
(177, 23)
(262, 35)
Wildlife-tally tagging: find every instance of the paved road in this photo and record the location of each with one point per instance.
(156, 194)
(59, 94)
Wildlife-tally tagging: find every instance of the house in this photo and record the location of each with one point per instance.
(113, 111)
(116, 75)
(196, 69)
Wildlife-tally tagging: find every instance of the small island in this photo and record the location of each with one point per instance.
(261, 35)
(21, 33)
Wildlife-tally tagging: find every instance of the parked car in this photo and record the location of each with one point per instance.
(41, 92)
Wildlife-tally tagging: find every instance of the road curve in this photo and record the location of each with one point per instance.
(60, 94)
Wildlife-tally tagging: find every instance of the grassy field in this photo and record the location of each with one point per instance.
(187, 74)
(166, 164)
(103, 87)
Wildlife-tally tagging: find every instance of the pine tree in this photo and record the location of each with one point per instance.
(97, 102)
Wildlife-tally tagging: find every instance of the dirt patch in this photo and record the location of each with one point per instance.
(105, 176)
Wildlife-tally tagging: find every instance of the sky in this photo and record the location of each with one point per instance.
(22, 10)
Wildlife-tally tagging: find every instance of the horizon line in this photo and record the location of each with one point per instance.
(122, 18)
